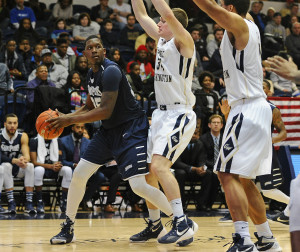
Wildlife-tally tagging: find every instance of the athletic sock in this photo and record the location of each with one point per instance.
(264, 230)
(39, 196)
(286, 211)
(29, 196)
(242, 228)
(10, 195)
(154, 214)
(176, 205)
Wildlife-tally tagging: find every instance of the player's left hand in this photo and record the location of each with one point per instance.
(63, 120)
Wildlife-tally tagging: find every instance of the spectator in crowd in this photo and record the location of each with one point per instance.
(122, 10)
(102, 11)
(258, 17)
(135, 80)
(15, 161)
(61, 57)
(212, 144)
(109, 37)
(72, 49)
(294, 19)
(215, 44)
(81, 66)
(151, 47)
(211, 36)
(270, 13)
(63, 9)
(14, 61)
(60, 27)
(20, 12)
(293, 43)
(46, 157)
(24, 49)
(35, 60)
(282, 86)
(40, 79)
(275, 28)
(56, 73)
(140, 40)
(115, 55)
(200, 44)
(4, 15)
(129, 33)
(190, 167)
(78, 99)
(294, 13)
(39, 9)
(287, 9)
(84, 28)
(6, 82)
(141, 57)
(26, 30)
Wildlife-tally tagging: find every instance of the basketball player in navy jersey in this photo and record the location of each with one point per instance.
(246, 150)
(122, 136)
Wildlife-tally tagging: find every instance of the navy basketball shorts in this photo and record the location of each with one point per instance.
(127, 144)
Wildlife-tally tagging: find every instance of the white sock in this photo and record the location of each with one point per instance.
(176, 205)
(276, 194)
(242, 228)
(286, 211)
(154, 214)
(264, 230)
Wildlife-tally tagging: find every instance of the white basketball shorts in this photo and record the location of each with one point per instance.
(170, 132)
(247, 144)
(295, 205)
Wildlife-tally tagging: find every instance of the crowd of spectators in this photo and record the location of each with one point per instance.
(41, 46)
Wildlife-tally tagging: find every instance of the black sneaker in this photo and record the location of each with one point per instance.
(40, 207)
(267, 244)
(194, 226)
(226, 218)
(180, 231)
(63, 205)
(66, 234)
(29, 208)
(280, 217)
(240, 244)
(12, 207)
(152, 231)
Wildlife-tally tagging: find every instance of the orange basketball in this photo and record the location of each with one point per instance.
(41, 125)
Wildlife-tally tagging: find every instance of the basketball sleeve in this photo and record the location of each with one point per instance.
(111, 78)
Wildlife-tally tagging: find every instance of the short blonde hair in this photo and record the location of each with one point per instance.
(181, 16)
(215, 116)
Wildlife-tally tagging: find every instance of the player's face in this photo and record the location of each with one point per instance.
(11, 125)
(163, 29)
(94, 51)
(215, 125)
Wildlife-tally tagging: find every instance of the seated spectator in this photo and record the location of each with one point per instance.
(129, 33)
(6, 82)
(35, 60)
(135, 80)
(215, 44)
(39, 9)
(20, 12)
(115, 55)
(108, 36)
(84, 28)
(26, 30)
(293, 43)
(288, 31)
(72, 49)
(60, 57)
(293, 13)
(200, 44)
(212, 141)
(60, 27)
(151, 47)
(102, 11)
(81, 66)
(56, 73)
(24, 49)
(40, 79)
(14, 61)
(46, 156)
(78, 99)
(141, 57)
(206, 98)
(63, 9)
(122, 10)
(258, 17)
(15, 161)
(4, 15)
(270, 14)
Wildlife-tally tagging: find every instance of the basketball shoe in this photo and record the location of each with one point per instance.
(152, 231)
(194, 226)
(12, 207)
(66, 234)
(241, 244)
(267, 244)
(40, 207)
(280, 217)
(227, 218)
(180, 231)
(29, 208)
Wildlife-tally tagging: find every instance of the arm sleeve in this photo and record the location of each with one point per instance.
(112, 76)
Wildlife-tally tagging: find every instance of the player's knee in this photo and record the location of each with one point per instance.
(138, 185)
(30, 168)
(7, 167)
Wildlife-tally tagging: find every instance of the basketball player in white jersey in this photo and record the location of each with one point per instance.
(246, 147)
(174, 122)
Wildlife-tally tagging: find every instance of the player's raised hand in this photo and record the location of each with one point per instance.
(225, 108)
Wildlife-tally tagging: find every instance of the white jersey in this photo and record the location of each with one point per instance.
(173, 75)
(242, 70)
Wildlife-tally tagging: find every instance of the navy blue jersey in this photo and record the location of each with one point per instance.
(11, 149)
(111, 78)
(272, 108)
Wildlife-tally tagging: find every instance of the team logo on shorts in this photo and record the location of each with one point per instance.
(175, 139)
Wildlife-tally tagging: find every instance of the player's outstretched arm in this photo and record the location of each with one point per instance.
(145, 21)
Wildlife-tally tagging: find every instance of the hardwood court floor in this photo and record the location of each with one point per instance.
(98, 234)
